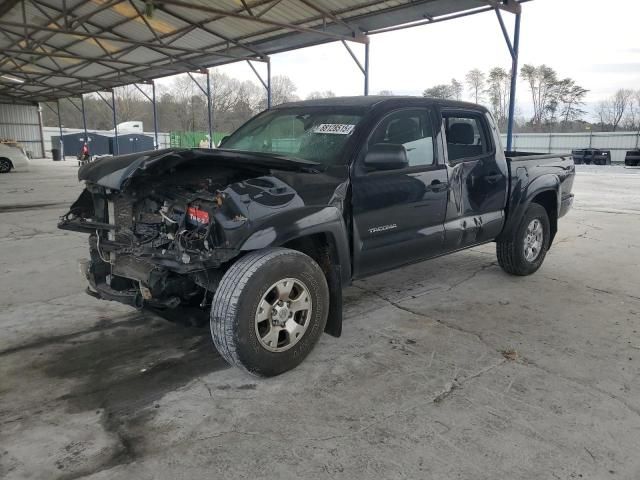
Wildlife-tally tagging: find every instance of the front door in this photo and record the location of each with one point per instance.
(399, 214)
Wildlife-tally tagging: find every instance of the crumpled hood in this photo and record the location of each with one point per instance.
(116, 172)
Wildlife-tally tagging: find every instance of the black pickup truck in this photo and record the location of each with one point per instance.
(261, 235)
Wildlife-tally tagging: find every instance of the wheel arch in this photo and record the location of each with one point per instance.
(322, 235)
(544, 190)
(548, 199)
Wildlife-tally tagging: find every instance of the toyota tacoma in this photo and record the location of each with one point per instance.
(260, 236)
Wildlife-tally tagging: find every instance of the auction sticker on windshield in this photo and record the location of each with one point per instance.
(335, 128)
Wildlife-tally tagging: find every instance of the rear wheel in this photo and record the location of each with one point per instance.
(5, 165)
(524, 251)
(269, 311)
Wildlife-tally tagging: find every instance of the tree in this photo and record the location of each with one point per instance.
(442, 91)
(317, 94)
(452, 91)
(543, 82)
(129, 103)
(475, 80)
(612, 110)
(498, 90)
(636, 97)
(282, 90)
(571, 99)
(456, 89)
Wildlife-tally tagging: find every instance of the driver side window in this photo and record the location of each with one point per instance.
(413, 130)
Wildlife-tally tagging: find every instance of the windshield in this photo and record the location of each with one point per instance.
(315, 134)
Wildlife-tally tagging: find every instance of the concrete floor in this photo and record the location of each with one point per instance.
(419, 385)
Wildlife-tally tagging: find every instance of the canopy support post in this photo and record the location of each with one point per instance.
(366, 68)
(112, 106)
(209, 108)
(269, 83)
(84, 121)
(363, 68)
(207, 93)
(265, 83)
(155, 113)
(60, 128)
(152, 99)
(513, 50)
(115, 121)
(514, 80)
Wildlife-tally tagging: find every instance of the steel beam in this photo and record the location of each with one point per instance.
(514, 80)
(84, 122)
(265, 83)
(363, 68)
(269, 84)
(207, 93)
(112, 106)
(115, 122)
(60, 127)
(97, 36)
(505, 33)
(155, 113)
(57, 112)
(260, 20)
(366, 69)
(209, 112)
(152, 99)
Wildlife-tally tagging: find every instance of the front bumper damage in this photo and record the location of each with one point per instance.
(156, 281)
(163, 228)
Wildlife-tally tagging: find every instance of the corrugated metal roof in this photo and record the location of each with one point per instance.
(60, 49)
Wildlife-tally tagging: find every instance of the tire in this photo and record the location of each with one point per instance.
(5, 165)
(240, 331)
(511, 253)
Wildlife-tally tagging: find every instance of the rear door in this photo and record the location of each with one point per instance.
(398, 215)
(478, 178)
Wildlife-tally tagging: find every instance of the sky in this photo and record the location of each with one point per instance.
(596, 42)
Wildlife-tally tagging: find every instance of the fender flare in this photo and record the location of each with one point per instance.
(521, 199)
(282, 228)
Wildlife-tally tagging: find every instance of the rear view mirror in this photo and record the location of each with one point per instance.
(386, 156)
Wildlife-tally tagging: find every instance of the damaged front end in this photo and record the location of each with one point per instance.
(164, 237)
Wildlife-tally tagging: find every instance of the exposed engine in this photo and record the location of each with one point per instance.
(163, 243)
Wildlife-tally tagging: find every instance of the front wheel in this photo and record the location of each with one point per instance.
(269, 311)
(523, 252)
(5, 165)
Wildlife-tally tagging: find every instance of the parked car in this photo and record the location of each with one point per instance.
(261, 235)
(12, 157)
(591, 156)
(632, 158)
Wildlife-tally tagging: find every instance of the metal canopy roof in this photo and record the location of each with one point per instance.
(60, 48)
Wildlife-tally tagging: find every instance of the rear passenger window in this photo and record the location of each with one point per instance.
(465, 137)
(411, 128)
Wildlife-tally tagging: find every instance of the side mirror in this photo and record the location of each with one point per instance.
(224, 139)
(386, 156)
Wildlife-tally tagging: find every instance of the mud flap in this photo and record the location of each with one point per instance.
(334, 320)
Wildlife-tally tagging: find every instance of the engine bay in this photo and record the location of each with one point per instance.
(164, 240)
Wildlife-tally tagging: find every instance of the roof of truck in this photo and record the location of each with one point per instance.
(373, 100)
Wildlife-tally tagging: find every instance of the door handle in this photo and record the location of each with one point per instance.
(436, 186)
(493, 178)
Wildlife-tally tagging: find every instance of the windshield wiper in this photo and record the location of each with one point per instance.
(275, 160)
(308, 166)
